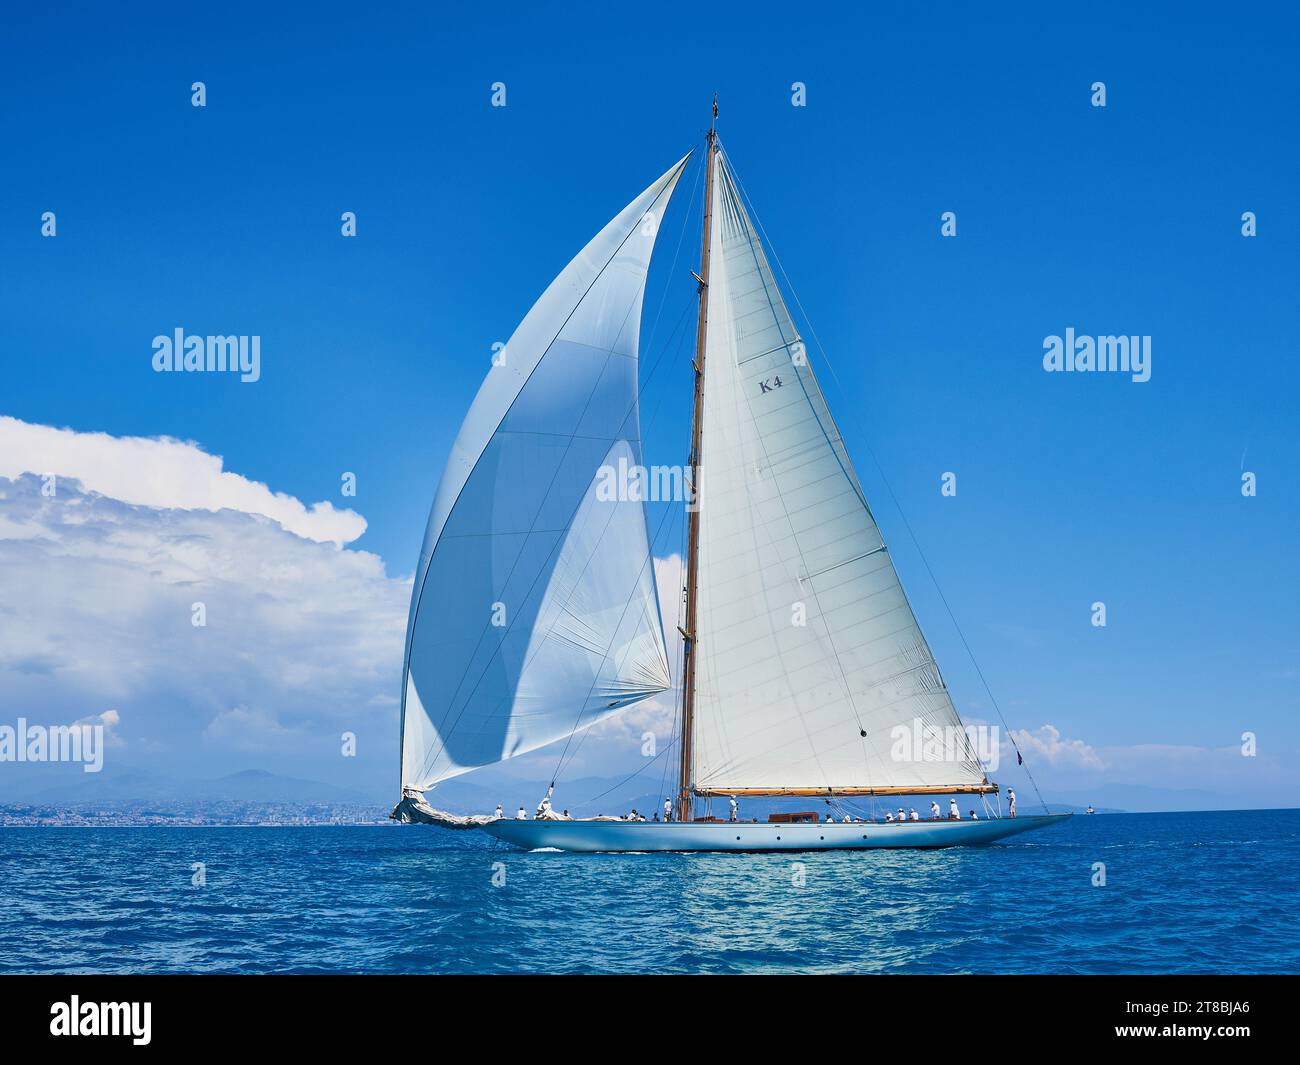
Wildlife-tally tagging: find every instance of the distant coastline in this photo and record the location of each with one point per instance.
(126, 797)
(228, 814)
(238, 814)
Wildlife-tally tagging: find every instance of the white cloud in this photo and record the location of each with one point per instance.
(1048, 744)
(303, 639)
(158, 472)
(108, 720)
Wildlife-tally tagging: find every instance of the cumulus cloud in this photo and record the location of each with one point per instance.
(159, 472)
(302, 640)
(303, 636)
(1050, 746)
(108, 721)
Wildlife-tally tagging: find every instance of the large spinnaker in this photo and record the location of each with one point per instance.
(534, 610)
(810, 657)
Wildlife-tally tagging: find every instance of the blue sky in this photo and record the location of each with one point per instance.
(1071, 488)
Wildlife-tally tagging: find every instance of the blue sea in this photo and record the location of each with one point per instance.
(1183, 893)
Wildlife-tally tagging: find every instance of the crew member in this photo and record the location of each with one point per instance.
(544, 807)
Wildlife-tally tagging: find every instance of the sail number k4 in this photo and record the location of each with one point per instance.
(769, 384)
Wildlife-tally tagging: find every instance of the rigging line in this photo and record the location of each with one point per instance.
(658, 359)
(672, 270)
(431, 758)
(681, 646)
(673, 740)
(897, 506)
(636, 773)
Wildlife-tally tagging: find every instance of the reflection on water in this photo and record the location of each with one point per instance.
(1184, 893)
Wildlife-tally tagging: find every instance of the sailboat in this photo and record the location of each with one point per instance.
(535, 615)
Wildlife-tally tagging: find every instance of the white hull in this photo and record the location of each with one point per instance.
(638, 836)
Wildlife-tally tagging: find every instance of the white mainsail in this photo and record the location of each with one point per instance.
(534, 611)
(809, 656)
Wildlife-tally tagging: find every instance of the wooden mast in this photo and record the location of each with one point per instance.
(693, 536)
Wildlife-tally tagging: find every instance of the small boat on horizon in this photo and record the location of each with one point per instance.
(534, 613)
